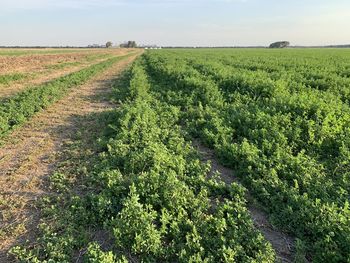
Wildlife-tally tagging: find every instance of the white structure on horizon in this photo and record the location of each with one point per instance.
(151, 47)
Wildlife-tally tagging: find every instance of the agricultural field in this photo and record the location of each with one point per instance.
(20, 68)
(206, 155)
(31, 82)
(37, 115)
(281, 121)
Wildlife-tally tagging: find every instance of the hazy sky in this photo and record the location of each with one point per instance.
(174, 22)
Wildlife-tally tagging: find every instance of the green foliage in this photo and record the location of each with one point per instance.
(17, 109)
(96, 255)
(281, 119)
(8, 78)
(63, 65)
(150, 192)
(163, 198)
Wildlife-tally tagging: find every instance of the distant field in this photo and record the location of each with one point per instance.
(27, 51)
(21, 68)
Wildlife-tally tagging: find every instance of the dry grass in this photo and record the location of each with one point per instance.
(40, 68)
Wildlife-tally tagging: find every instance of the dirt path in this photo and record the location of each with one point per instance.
(281, 242)
(27, 158)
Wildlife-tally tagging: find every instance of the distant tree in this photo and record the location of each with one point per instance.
(280, 44)
(109, 44)
(132, 44)
(129, 44)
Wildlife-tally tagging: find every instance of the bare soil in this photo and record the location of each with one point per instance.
(30, 156)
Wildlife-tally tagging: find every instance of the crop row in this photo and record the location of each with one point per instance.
(8, 78)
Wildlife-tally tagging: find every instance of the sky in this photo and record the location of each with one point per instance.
(174, 22)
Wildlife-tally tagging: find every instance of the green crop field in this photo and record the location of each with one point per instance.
(174, 131)
(278, 119)
(281, 120)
